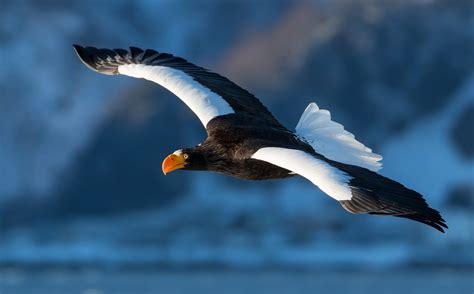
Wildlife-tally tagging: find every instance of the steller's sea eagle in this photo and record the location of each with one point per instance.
(246, 141)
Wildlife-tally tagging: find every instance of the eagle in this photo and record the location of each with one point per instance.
(246, 141)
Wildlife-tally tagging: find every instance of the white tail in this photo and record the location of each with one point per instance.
(329, 138)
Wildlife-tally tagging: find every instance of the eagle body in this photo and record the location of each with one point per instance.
(231, 142)
(246, 141)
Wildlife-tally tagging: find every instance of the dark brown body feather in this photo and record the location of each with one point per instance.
(233, 139)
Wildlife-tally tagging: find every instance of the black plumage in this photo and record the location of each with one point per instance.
(378, 195)
(233, 138)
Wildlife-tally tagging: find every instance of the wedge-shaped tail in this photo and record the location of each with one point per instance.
(331, 140)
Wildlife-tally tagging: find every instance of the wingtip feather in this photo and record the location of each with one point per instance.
(96, 59)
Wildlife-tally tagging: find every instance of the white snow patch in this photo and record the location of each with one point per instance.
(424, 157)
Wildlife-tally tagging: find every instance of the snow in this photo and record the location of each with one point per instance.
(424, 158)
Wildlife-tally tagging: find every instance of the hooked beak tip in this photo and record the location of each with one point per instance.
(171, 163)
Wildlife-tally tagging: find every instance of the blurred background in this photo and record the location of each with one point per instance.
(84, 207)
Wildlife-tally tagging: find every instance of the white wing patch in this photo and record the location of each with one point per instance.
(329, 179)
(202, 101)
(329, 138)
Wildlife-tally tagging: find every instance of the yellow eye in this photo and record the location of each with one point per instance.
(185, 156)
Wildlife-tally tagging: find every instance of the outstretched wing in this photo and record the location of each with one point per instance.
(357, 189)
(207, 94)
(329, 179)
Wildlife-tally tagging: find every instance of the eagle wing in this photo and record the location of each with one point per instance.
(207, 94)
(357, 189)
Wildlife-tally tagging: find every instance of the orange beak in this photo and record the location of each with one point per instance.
(173, 162)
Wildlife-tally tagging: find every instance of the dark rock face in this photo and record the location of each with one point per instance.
(462, 132)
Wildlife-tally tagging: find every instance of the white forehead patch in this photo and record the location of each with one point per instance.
(178, 152)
